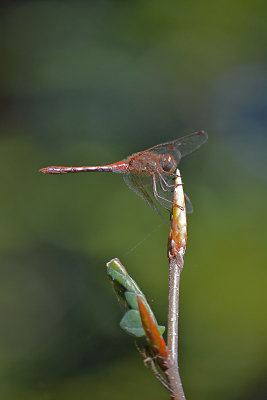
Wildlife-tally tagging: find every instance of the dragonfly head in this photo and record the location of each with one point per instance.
(168, 163)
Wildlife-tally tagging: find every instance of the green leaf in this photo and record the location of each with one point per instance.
(131, 323)
(126, 290)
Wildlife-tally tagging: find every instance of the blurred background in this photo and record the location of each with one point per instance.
(90, 82)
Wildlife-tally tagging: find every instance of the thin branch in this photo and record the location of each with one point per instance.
(173, 315)
(176, 250)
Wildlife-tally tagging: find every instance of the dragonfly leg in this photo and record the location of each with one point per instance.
(174, 176)
(168, 187)
(161, 181)
(157, 196)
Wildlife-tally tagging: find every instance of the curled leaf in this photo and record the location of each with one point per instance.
(127, 291)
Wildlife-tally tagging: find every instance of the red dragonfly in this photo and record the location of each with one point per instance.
(156, 164)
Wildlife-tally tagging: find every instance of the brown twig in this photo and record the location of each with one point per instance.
(176, 250)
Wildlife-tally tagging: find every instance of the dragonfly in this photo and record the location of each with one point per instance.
(154, 167)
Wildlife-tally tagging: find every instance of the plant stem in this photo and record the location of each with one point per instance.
(176, 250)
(175, 267)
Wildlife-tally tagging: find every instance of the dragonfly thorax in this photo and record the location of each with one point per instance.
(145, 163)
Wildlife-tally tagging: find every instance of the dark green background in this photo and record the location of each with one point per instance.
(92, 82)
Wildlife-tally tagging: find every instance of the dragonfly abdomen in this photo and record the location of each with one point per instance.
(117, 168)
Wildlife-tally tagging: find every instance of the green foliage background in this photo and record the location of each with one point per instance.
(89, 83)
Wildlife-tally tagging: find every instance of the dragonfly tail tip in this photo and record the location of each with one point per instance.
(43, 170)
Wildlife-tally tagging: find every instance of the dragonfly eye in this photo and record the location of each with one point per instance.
(168, 163)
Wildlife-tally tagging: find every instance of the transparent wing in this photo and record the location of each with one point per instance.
(188, 205)
(135, 184)
(182, 146)
(166, 195)
(139, 185)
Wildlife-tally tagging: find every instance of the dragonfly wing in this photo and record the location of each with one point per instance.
(166, 200)
(135, 184)
(165, 191)
(188, 205)
(182, 146)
